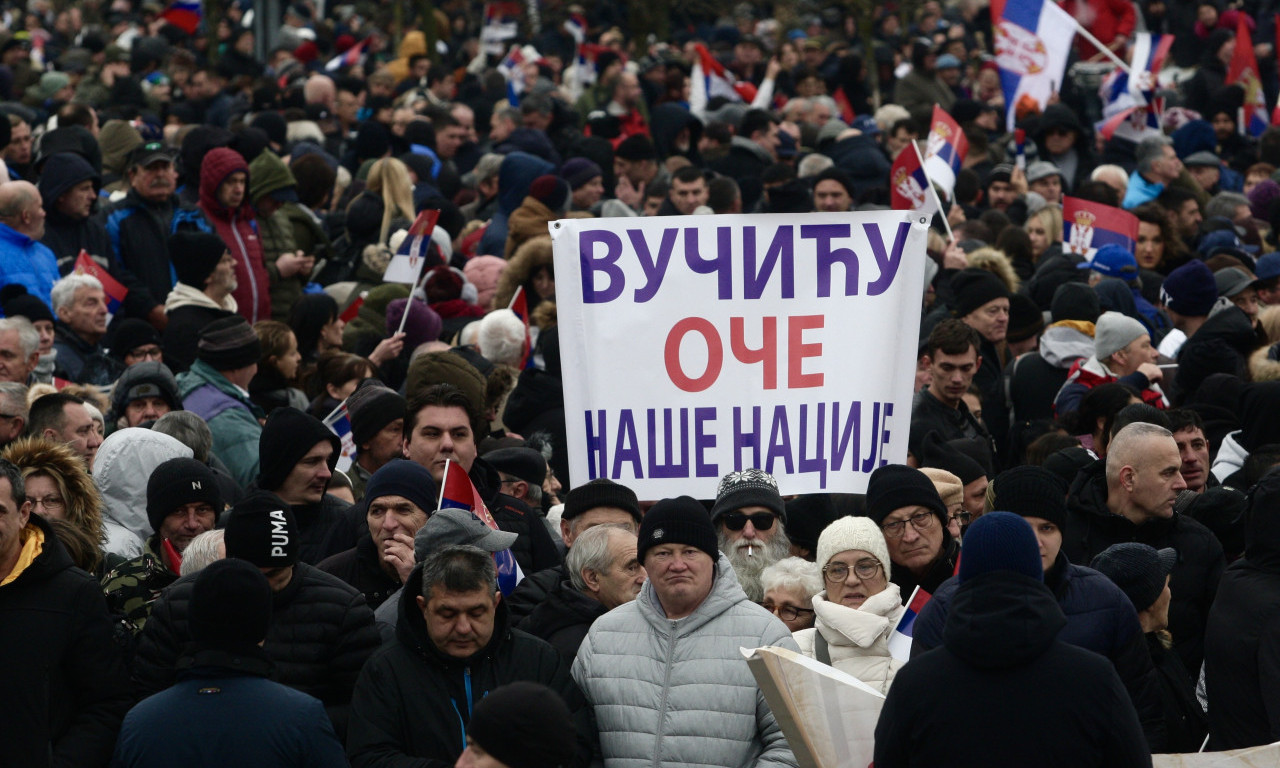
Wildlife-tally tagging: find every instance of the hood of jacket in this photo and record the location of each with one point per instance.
(862, 626)
(563, 607)
(517, 172)
(1002, 620)
(749, 146)
(31, 453)
(1088, 499)
(1259, 415)
(184, 295)
(1063, 343)
(122, 468)
(725, 593)
(214, 169)
(268, 173)
(1262, 530)
(665, 123)
(63, 171)
(411, 628)
(1230, 457)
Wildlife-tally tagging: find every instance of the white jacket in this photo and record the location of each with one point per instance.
(679, 693)
(121, 470)
(858, 638)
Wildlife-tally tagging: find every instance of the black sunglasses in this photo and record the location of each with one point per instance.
(736, 521)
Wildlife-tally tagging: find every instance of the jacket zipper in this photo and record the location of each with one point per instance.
(462, 725)
(666, 688)
(248, 267)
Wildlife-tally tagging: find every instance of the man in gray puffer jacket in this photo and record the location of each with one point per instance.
(664, 674)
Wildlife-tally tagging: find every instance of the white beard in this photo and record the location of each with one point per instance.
(748, 567)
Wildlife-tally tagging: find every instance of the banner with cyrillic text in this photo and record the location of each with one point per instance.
(694, 346)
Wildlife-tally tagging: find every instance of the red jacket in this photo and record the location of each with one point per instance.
(238, 231)
(1104, 19)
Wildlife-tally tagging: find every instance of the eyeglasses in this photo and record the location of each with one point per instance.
(962, 516)
(51, 503)
(786, 612)
(736, 521)
(148, 353)
(921, 521)
(837, 573)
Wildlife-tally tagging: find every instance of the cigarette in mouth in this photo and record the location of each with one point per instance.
(750, 551)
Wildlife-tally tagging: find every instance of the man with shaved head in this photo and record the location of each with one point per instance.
(1129, 497)
(23, 258)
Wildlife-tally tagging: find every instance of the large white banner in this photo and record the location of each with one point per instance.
(694, 346)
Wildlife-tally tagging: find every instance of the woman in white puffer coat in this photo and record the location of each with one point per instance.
(860, 607)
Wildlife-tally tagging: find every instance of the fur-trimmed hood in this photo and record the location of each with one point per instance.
(1263, 367)
(84, 502)
(998, 264)
(534, 254)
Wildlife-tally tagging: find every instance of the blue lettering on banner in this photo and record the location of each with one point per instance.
(822, 438)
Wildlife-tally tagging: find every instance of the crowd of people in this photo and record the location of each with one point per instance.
(193, 241)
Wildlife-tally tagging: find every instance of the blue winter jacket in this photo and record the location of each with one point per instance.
(27, 262)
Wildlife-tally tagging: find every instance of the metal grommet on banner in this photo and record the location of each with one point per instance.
(924, 219)
(557, 225)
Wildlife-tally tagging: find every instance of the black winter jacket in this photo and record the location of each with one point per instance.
(321, 633)
(1100, 618)
(65, 689)
(182, 334)
(563, 619)
(1222, 345)
(1001, 657)
(533, 591)
(1242, 642)
(413, 701)
(139, 232)
(361, 567)
(941, 569)
(1092, 527)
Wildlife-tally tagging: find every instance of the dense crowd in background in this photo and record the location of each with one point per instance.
(194, 231)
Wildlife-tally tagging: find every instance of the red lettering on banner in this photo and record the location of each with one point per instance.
(715, 354)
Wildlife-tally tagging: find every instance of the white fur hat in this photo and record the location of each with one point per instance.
(849, 533)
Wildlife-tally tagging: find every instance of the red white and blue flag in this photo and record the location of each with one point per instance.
(406, 265)
(902, 635)
(115, 292)
(909, 186)
(457, 492)
(1087, 226)
(348, 58)
(945, 151)
(520, 306)
(512, 68)
(501, 23)
(1033, 40)
(1130, 106)
(184, 14)
(718, 81)
(339, 423)
(1244, 72)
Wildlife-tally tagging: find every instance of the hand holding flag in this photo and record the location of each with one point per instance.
(339, 423)
(457, 492)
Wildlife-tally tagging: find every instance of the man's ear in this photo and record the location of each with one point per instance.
(592, 579)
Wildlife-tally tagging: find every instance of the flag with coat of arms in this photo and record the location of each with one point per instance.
(1087, 226)
(1032, 41)
(909, 186)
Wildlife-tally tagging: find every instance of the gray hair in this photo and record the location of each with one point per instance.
(828, 102)
(1108, 169)
(888, 115)
(203, 551)
(590, 552)
(28, 336)
(1225, 204)
(460, 568)
(1126, 446)
(501, 337)
(792, 573)
(1150, 150)
(14, 397)
(813, 164)
(188, 429)
(508, 112)
(64, 291)
(10, 472)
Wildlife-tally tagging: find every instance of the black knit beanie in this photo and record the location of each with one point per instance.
(895, 486)
(520, 462)
(1075, 301)
(17, 302)
(748, 488)
(601, 492)
(1029, 491)
(286, 437)
(230, 607)
(974, 287)
(195, 255)
(130, 334)
(228, 344)
(261, 529)
(370, 408)
(403, 478)
(936, 452)
(177, 482)
(524, 725)
(678, 521)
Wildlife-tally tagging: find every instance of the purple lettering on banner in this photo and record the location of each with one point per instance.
(884, 435)
(608, 264)
(779, 441)
(869, 463)
(703, 442)
(654, 268)
(818, 462)
(628, 447)
(888, 263)
(850, 436)
(671, 468)
(828, 257)
(746, 439)
(597, 447)
(722, 264)
(781, 249)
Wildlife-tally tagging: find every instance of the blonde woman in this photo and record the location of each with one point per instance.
(1045, 229)
(389, 180)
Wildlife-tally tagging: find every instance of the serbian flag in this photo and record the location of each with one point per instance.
(457, 492)
(406, 265)
(339, 423)
(1033, 40)
(945, 151)
(909, 186)
(184, 14)
(348, 58)
(512, 68)
(1087, 226)
(353, 309)
(900, 639)
(520, 305)
(718, 81)
(1244, 72)
(85, 265)
(501, 23)
(1131, 109)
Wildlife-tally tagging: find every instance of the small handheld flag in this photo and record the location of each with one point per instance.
(909, 186)
(1244, 72)
(406, 265)
(348, 58)
(945, 152)
(457, 492)
(339, 423)
(1087, 226)
(520, 306)
(85, 265)
(901, 637)
(1020, 142)
(184, 14)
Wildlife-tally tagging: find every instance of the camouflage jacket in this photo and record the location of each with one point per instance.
(134, 585)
